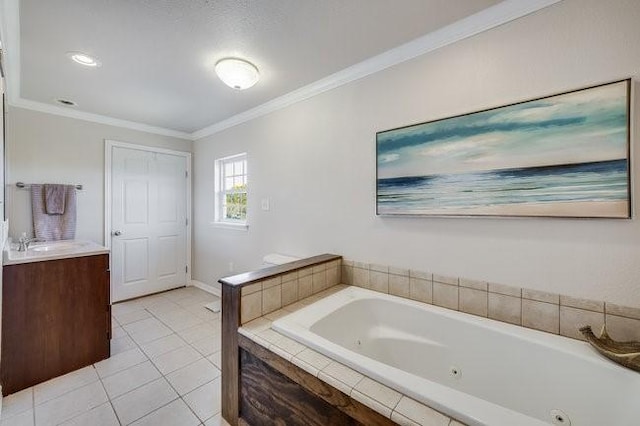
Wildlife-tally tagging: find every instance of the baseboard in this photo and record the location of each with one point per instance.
(207, 288)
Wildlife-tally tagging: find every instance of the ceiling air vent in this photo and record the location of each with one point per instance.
(66, 102)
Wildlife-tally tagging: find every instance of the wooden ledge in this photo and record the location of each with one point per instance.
(247, 278)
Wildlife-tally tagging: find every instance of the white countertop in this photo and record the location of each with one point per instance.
(51, 250)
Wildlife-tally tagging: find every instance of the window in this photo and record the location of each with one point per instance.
(231, 189)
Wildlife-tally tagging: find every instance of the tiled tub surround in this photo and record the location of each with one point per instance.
(254, 294)
(272, 293)
(268, 299)
(552, 313)
(388, 402)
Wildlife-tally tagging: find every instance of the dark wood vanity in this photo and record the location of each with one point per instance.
(56, 318)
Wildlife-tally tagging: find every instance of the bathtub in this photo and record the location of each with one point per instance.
(479, 371)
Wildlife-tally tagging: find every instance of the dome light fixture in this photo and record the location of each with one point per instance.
(237, 73)
(84, 59)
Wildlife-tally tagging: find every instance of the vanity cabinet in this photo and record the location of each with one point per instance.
(56, 318)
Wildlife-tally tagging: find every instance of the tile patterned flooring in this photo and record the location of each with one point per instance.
(164, 370)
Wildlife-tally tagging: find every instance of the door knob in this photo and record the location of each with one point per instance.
(116, 233)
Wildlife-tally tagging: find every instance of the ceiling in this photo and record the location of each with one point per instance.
(158, 55)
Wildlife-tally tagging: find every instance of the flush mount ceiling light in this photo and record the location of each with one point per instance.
(237, 73)
(84, 59)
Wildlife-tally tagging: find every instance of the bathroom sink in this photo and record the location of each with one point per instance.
(51, 250)
(46, 247)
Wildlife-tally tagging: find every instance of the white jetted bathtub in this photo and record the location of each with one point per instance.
(479, 371)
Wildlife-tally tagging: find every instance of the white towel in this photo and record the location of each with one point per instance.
(53, 227)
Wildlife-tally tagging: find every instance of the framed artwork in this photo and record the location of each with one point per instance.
(565, 155)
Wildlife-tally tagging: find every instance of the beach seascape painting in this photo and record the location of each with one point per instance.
(560, 156)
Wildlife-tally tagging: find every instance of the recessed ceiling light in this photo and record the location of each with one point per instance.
(237, 73)
(84, 59)
(66, 102)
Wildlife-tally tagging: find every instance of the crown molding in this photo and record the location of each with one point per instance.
(484, 20)
(10, 36)
(96, 118)
(494, 16)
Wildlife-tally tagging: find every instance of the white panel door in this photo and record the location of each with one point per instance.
(148, 222)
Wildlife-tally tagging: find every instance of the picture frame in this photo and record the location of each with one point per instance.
(563, 155)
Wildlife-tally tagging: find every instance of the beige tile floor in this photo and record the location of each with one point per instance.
(164, 370)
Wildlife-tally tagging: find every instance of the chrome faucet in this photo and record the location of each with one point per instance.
(23, 242)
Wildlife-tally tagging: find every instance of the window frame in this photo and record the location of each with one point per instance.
(221, 193)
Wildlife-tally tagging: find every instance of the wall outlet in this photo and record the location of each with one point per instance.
(230, 266)
(265, 204)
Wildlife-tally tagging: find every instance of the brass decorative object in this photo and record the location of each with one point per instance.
(626, 354)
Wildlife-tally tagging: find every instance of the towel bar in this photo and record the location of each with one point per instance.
(28, 185)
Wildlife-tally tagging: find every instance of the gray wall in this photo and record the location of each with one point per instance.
(43, 147)
(315, 161)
